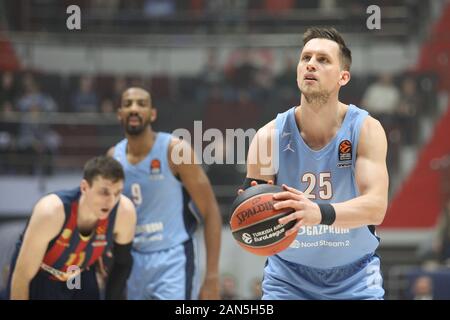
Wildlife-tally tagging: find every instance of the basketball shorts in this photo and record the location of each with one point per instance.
(170, 274)
(360, 280)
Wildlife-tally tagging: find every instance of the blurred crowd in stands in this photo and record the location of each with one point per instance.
(242, 93)
(200, 16)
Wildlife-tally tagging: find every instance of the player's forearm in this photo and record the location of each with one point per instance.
(19, 287)
(360, 211)
(213, 232)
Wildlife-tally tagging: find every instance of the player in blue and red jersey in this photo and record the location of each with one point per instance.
(69, 231)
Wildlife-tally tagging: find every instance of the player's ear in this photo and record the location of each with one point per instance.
(345, 77)
(118, 115)
(153, 114)
(84, 185)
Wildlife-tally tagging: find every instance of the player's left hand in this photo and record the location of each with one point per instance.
(307, 213)
(210, 289)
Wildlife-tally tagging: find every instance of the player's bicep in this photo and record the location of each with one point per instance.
(182, 160)
(198, 186)
(45, 224)
(371, 171)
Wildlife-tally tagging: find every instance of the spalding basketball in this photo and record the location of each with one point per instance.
(254, 221)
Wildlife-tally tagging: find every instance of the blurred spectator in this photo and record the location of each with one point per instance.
(107, 107)
(407, 112)
(37, 142)
(328, 6)
(246, 113)
(382, 98)
(33, 98)
(228, 290)
(423, 288)
(120, 85)
(86, 99)
(211, 73)
(287, 90)
(231, 14)
(215, 109)
(107, 8)
(241, 69)
(8, 134)
(278, 6)
(8, 90)
(210, 76)
(256, 289)
(159, 8)
(307, 4)
(264, 81)
(441, 243)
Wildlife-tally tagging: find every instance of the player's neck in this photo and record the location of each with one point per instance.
(86, 220)
(140, 145)
(318, 124)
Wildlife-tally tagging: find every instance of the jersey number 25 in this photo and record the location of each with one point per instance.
(325, 187)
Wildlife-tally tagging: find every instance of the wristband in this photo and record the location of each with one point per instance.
(328, 214)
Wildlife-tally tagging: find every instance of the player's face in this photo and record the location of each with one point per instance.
(136, 112)
(102, 195)
(319, 69)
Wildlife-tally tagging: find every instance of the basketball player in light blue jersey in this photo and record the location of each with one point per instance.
(165, 262)
(331, 162)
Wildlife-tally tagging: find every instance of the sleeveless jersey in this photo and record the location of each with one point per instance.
(69, 248)
(326, 176)
(166, 216)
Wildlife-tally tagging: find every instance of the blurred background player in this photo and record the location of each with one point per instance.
(164, 251)
(73, 228)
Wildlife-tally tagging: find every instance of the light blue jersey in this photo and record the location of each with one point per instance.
(165, 214)
(323, 262)
(164, 251)
(325, 176)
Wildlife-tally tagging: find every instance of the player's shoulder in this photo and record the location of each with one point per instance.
(49, 211)
(110, 152)
(371, 126)
(125, 203)
(126, 213)
(180, 152)
(266, 131)
(126, 208)
(178, 142)
(372, 137)
(49, 205)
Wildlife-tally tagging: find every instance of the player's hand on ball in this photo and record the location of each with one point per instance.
(254, 183)
(307, 213)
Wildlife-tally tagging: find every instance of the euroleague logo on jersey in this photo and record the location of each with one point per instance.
(155, 169)
(345, 153)
(345, 150)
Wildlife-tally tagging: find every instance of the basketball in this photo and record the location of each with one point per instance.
(254, 221)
